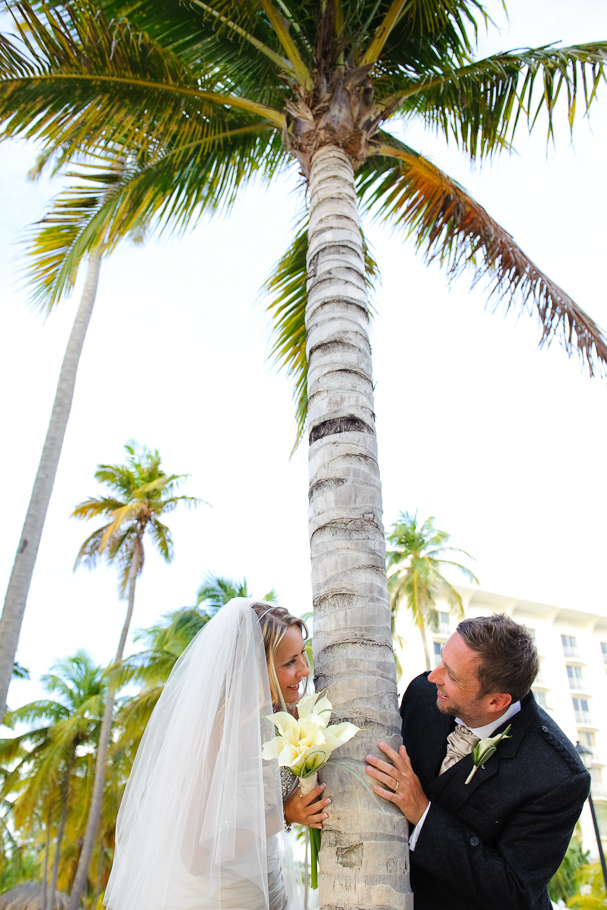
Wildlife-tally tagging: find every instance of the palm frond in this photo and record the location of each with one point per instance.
(283, 33)
(89, 552)
(172, 188)
(129, 88)
(383, 32)
(481, 104)
(239, 39)
(163, 539)
(429, 35)
(216, 591)
(450, 226)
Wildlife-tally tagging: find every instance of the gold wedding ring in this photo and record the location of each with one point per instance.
(397, 786)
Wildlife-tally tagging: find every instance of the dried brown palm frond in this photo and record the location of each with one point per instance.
(450, 226)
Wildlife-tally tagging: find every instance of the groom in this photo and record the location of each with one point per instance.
(493, 839)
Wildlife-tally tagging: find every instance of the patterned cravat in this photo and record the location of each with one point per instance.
(459, 743)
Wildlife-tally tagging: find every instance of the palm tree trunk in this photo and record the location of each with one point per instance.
(422, 632)
(47, 847)
(92, 824)
(50, 904)
(27, 551)
(364, 855)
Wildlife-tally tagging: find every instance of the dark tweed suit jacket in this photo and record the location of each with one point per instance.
(495, 842)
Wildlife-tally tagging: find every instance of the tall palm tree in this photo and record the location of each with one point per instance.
(207, 95)
(139, 494)
(50, 243)
(47, 761)
(415, 567)
(27, 550)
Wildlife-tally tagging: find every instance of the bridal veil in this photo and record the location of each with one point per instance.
(196, 828)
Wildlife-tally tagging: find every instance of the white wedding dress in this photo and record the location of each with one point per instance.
(200, 821)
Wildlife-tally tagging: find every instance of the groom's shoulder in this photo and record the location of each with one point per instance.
(543, 728)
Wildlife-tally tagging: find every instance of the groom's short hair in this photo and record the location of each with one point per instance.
(508, 656)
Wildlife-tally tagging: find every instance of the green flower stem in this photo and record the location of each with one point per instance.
(314, 850)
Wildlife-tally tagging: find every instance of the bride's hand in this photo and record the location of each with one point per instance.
(306, 810)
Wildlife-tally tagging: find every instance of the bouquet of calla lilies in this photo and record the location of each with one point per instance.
(304, 744)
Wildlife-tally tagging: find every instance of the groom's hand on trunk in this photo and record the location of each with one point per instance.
(399, 782)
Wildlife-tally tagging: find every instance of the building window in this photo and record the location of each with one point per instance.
(443, 623)
(576, 680)
(604, 650)
(569, 645)
(581, 710)
(438, 650)
(540, 698)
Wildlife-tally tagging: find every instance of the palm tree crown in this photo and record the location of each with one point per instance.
(415, 566)
(141, 493)
(199, 98)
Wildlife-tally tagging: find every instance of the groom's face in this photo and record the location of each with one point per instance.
(457, 684)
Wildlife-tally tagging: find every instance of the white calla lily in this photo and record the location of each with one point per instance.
(305, 705)
(324, 709)
(305, 744)
(286, 725)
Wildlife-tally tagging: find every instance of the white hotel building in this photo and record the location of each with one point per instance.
(572, 682)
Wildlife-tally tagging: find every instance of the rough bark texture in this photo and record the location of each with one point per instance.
(364, 854)
(27, 551)
(94, 817)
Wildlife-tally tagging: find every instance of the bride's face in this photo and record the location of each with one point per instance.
(291, 664)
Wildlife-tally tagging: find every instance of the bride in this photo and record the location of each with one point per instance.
(198, 828)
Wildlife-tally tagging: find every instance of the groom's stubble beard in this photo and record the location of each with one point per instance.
(466, 713)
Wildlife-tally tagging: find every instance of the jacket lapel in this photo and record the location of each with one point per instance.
(451, 787)
(431, 747)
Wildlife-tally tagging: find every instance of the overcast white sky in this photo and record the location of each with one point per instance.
(503, 444)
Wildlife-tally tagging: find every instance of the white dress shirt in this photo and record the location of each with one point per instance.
(482, 733)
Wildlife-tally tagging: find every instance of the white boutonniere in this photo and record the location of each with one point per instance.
(484, 749)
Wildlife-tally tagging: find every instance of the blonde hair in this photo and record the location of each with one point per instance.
(275, 621)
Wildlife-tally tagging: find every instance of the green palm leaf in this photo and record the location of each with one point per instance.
(128, 88)
(171, 190)
(481, 104)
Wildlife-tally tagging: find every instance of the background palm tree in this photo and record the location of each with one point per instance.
(415, 567)
(216, 591)
(27, 550)
(49, 761)
(564, 883)
(207, 95)
(163, 644)
(590, 889)
(140, 492)
(50, 244)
